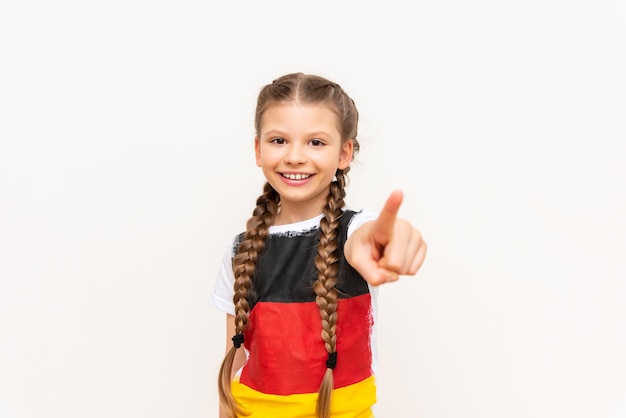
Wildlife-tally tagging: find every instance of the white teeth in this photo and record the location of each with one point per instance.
(296, 176)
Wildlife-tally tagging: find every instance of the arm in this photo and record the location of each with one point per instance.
(240, 356)
(386, 248)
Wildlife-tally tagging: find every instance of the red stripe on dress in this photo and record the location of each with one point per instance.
(287, 354)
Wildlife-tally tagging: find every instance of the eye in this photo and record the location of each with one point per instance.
(278, 141)
(316, 143)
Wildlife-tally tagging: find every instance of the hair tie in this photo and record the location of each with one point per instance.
(237, 340)
(331, 363)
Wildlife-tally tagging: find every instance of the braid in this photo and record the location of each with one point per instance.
(324, 287)
(257, 230)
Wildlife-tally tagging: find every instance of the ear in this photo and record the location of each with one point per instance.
(346, 154)
(257, 151)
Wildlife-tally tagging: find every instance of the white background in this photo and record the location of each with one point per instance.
(126, 166)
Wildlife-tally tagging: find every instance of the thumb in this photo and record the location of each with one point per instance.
(373, 273)
(383, 226)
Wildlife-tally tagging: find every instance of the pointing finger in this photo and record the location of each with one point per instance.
(383, 227)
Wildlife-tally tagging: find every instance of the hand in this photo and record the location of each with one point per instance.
(386, 248)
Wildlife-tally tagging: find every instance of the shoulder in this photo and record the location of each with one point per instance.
(234, 244)
(353, 219)
(360, 217)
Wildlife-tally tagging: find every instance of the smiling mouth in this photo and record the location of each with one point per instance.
(298, 176)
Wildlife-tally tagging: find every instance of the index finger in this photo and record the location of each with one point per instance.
(383, 226)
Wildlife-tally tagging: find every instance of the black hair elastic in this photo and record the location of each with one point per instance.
(237, 340)
(331, 363)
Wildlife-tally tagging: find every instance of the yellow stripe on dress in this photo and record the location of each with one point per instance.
(354, 401)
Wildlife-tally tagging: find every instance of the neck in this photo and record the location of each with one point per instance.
(292, 212)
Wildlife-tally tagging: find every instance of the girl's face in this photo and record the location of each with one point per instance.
(299, 149)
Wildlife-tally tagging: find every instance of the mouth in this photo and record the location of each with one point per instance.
(296, 176)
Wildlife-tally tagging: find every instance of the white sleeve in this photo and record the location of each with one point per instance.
(360, 218)
(222, 297)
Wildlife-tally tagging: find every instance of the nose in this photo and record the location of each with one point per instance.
(296, 155)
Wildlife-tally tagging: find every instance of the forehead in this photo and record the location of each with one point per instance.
(296, 117)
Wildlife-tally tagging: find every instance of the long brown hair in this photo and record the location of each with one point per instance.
(305, 89)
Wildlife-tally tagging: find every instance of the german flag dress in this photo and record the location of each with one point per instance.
(286, 357)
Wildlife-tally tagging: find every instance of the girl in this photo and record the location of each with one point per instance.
(298, 287)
